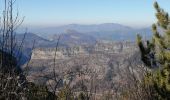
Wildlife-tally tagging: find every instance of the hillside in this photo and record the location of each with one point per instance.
(72, 37)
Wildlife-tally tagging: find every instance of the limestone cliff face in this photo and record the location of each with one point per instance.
(64, 52)
(61, 53)
(44, 54)
(115, 47)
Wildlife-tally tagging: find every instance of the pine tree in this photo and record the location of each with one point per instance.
(156, 54)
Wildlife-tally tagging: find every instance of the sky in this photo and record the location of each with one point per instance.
(134, 13)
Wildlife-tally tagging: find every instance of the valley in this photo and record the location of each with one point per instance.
(106, 63)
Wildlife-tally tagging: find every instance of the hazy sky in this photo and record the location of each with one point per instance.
(134, 13)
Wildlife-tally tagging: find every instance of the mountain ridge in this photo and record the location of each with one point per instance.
(80, 27)
(106, 31)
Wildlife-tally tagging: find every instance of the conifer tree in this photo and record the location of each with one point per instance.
(156, 54)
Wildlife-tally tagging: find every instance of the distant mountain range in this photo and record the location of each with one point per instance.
(81, 28)
(75, 34)
(106, 31)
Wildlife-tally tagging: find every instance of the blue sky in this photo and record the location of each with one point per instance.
(135, 13)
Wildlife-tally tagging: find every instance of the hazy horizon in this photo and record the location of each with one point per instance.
(43, 13)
